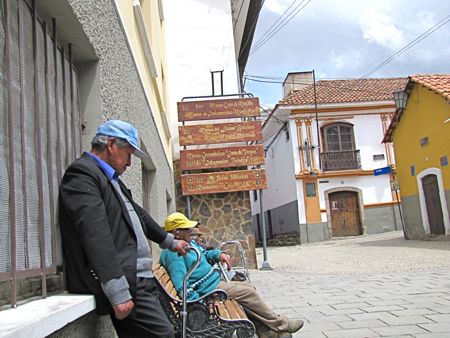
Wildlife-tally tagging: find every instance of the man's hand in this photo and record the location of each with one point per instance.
(122, 310)
(224, 258)
(180, 248)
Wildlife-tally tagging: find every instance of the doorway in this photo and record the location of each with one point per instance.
(433, 204)
(345, 214)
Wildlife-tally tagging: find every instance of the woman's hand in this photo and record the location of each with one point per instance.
(224, 258)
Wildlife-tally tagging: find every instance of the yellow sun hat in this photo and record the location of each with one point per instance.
(177, 220)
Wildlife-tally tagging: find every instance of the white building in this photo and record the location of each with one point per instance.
(203, 37)
(320, 162)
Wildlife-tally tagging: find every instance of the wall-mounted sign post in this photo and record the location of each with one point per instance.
(198, 165)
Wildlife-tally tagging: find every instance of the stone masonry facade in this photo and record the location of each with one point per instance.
(222, 217)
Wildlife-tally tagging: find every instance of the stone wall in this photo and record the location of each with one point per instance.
(222, 217)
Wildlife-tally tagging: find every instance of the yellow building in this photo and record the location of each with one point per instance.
(143, 22)
(420, 132)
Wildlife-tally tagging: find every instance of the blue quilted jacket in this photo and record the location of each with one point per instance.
(203, 280)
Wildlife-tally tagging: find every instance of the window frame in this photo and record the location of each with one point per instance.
(326, 145)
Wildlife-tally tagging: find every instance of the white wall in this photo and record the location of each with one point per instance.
(375, 189)
(200, 39)
(368, 131)
(279, 173)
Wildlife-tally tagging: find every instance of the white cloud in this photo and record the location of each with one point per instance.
(348, 60)
(379, 27)
(275, 6)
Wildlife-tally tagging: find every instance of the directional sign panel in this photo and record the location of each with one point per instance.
(209, 183)
(218, 109)
(240, 156)
(220, 133)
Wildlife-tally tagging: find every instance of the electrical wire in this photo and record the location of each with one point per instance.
(263, 35)
(324, 84)
(248, 37)
(279, 27)
(409, 45)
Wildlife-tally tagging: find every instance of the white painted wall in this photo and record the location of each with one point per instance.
(368, 131)
(375, 189)
(301, 202)
(200, 39)
(280, 174)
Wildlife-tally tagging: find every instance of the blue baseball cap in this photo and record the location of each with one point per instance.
(123, 130)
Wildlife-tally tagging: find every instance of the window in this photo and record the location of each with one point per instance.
(338, 137)
(339, 148)
(310, 189)
(40, 134)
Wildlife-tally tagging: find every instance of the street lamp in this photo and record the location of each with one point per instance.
(400, 98)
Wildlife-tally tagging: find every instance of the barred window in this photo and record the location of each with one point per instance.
(40, 135)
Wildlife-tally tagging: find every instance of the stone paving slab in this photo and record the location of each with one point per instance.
(366, 286)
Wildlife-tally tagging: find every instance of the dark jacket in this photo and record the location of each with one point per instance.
(98, 240)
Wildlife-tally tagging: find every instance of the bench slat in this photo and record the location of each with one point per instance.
(222, 310)
(234, 309)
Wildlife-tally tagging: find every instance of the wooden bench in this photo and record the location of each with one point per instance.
(212, 315)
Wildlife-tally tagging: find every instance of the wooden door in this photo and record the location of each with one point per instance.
(433, 204)
(345, 217)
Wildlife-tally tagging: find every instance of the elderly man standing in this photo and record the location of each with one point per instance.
(104, 236)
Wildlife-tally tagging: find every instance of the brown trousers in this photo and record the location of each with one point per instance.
(245, 294)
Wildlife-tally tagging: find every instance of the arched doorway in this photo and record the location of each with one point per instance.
(345, 214)
(433, 204)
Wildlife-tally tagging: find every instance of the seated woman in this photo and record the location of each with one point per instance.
(206, 279)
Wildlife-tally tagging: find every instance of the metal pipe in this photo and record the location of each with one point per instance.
(317, 119)
(188, 204)
(207, 96)
(58, 131)
(265, 264)
(40, 178)
(11, 138)
(22, 132)
(65, 112)
(49, 147)
(185, 282)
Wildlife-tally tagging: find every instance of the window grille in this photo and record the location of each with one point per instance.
(339, 152)
(40, 134)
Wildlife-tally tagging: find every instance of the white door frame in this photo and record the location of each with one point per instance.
(423, 206)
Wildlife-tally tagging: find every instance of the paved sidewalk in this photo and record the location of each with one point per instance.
(367, 286)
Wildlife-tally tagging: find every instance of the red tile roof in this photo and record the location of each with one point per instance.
(343, 91)
(439, 83)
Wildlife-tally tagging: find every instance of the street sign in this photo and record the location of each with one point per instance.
(218, 109)
(382, 171)
(209, 183)
(220, 133)
(240, 156)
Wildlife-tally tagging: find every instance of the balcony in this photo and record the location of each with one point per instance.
(340, 160)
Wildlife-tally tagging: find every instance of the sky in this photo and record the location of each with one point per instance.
(347, 39)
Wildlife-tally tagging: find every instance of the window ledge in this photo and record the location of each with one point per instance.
(42, 317)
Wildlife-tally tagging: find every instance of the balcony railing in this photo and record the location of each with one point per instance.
(340, 160)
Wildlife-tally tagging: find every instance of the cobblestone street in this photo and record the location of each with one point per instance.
(366, 286)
